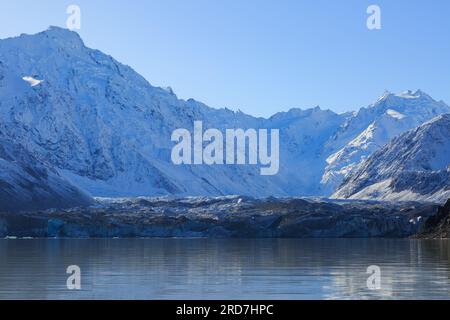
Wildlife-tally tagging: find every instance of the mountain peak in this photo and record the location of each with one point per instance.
(409, 99)
(408, 94)
(418, 94)
(53, 37)
(63, 36)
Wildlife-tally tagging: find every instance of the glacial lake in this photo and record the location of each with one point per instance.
(225, 269)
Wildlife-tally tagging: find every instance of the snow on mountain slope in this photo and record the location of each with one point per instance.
(414, 166)
(303, 134)
(108, 131)
(28, 184)
(390, 116)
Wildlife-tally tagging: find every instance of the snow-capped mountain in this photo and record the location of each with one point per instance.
(108, 131)
(372, 127)
(414, 166)
(28, 184)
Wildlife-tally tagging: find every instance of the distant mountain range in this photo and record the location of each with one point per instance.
(103, 128)
(372, 127)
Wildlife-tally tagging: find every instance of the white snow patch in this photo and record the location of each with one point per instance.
(395, 114)
(32, 81)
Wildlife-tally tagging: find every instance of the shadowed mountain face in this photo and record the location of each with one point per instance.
(415, 165)
(108, 131)
(28, 184)
(438, 226)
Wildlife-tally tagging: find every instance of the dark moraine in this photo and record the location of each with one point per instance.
(224, 217)
(438, 226)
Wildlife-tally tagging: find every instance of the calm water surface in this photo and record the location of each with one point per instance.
(224, 269)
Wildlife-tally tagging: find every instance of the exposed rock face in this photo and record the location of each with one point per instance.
(224, 217)
(438, 226)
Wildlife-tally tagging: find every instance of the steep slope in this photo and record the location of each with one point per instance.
(373, 127)
(28, 184)
(108, 130)
(414, 166)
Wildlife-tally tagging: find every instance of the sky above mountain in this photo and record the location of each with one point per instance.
(262, 56)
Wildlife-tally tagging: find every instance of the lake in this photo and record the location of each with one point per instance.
(224, 269)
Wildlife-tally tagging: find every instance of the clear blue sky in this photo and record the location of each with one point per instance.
(262, 56)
